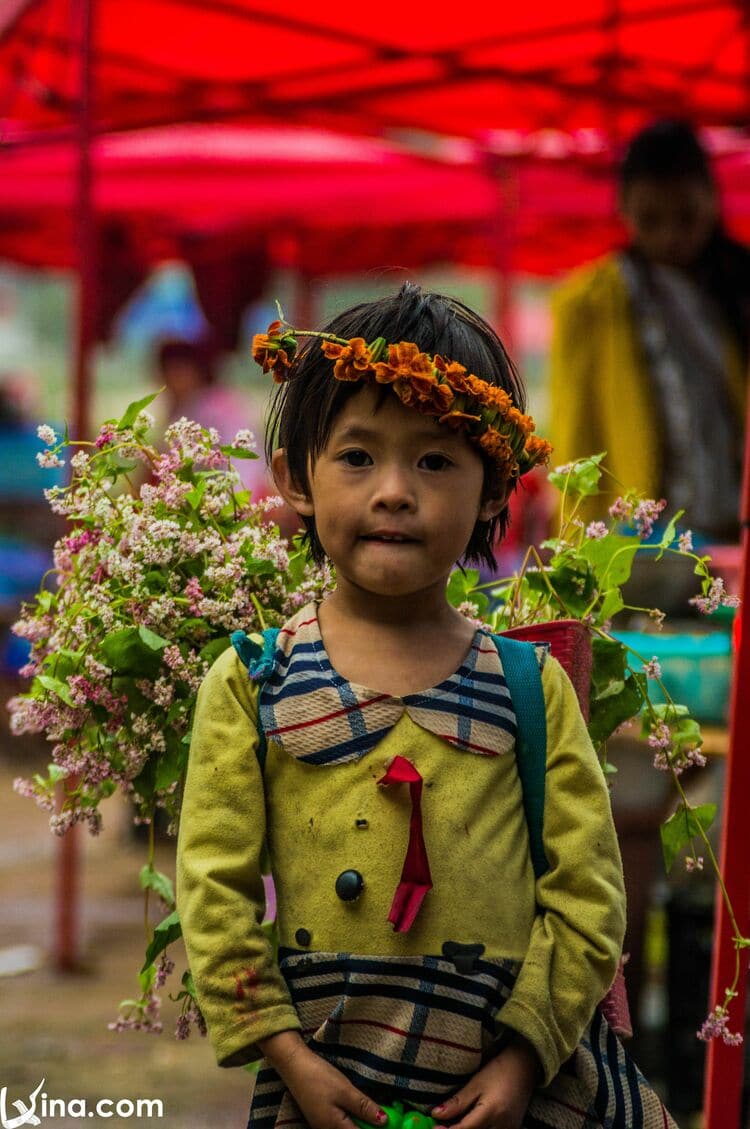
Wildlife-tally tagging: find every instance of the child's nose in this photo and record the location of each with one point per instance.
(394, 489)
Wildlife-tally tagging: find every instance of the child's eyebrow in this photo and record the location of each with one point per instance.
(357, 432)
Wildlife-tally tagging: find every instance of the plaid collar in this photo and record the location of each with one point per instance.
(319, 717)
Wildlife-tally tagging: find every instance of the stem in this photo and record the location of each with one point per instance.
(146, 892)
(315, 333)
(259, 609)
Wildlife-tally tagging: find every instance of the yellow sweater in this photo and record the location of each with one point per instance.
(564, 932)
(601, 396)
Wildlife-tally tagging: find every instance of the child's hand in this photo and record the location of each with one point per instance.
(327, 1099)
(498, 1095)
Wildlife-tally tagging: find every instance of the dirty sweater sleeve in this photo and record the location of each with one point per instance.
(577, 935)
(220, 893)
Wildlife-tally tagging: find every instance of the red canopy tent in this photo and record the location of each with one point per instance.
(606, 63)
(75, 68)
(347, 200)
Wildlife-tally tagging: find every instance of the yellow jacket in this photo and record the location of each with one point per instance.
(562, 935)
(601, 398)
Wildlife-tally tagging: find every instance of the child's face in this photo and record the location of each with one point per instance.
(393, 471)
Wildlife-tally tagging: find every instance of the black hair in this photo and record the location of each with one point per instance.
(199, 354)
(669, 149)
(305, 407)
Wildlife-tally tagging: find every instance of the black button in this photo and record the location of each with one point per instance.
(349, 885)
(303, 937)
(464, 957)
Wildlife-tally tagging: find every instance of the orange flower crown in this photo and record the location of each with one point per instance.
(432, 385)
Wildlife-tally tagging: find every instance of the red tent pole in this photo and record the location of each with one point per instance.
(725, 1064)
(67, 908)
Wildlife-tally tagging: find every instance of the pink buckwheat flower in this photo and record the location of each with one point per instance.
(596, 530)
(46, 434)
(716, 596)
(686, 541)
(716, 1026)
(660, 736)
(105, 436)
(646, 513)
(49, 459)
(621, 508)
(652, 669)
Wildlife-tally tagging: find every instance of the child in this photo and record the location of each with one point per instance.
(418, 957)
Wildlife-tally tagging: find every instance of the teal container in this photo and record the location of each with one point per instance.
(696, 669)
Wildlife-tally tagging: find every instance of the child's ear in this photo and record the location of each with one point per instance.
(287, 487)
(495, 503)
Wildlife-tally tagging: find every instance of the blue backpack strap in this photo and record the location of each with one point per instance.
(257, 653)
(524, 679)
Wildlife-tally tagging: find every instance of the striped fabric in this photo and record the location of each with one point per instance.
(321, 718)
(414, 1029)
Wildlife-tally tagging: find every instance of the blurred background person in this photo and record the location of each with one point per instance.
(649, 344)
(187, 369)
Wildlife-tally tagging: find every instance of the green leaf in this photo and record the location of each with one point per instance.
(610, 606)
(582, 478)
(188, 983)
(611, 558)
(296, 568)
(574, 583)
(192, 624)
(166, 932)
(55, 686)
(609, 668)
(686, 734)
(152, 879)
(216, 647)
(669, 534)
(196, 494)
(255, 567)
(238, 453)
(153, 641)
(132, 411)
(609, 712)
(61, 664)
(44, 600)
(146, 978)
(133, 650)
(170, 764)
(682, 827)
(459, 586)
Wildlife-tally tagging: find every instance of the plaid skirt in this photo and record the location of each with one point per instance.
(414, 1029)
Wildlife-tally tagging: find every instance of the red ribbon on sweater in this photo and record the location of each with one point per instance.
(415, 875)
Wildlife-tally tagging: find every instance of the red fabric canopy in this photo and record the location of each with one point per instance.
(359, 68)
(324, 201)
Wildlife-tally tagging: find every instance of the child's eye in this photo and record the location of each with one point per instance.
(435, 461)
(355, 457)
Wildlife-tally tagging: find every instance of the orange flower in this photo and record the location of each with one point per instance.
(353, 360)
(404, 360)
(525, 424)
(454, 374)
(496, 447)
(268, 352)
(498, 399)
(458, 420)
(537, 451)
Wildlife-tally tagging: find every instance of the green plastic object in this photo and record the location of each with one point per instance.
(696, 669)
(401, 1118)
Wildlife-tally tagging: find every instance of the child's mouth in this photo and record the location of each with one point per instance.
(388, 539)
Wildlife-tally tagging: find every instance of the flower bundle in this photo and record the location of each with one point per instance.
(164, 555)
(582, 574)
(432, 385)
(151, 580)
